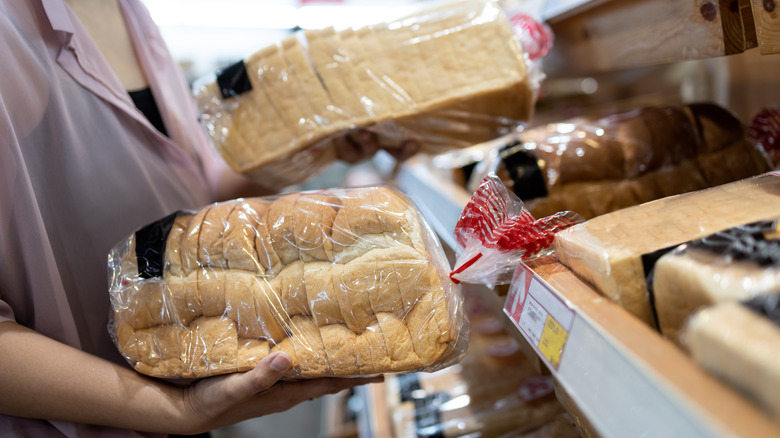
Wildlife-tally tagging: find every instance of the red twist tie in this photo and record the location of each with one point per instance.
(764, 129)
(499, 221)
(463, 267)
(535, 38)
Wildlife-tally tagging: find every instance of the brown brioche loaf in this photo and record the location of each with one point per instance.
(348, 282)
(598, 166)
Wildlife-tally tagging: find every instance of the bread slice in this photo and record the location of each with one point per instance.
(398, 342)
(281, 228)
(211, 240)
(239, 242)
(313, 225)
(309, 349)
(314, 99)
(740, 346)
(211, 288)
(292, 289)
(341, 347)
(333, 67)
(212, 348)
(734, 265)
(380, 356)
(321, 294)
(173, 264)
(190, 243)
(250, 352)
(162, 349)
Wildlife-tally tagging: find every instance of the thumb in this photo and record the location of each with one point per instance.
(263, 376)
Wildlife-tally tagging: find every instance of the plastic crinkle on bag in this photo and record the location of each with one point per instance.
(495, 232)
(449, 76)
(346, 281)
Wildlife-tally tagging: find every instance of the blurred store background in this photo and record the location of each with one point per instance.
(205, 35)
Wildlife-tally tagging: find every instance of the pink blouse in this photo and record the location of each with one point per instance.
(80, 169)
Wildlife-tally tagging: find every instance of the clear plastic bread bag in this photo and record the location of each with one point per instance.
(495, 232)
(598, 165)
(737, 341)
(447, 77)
(348, 282)
(735, 264)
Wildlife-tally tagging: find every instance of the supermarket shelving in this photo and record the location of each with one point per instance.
(623, 376)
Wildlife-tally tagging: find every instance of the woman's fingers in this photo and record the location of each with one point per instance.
(290, 393)
(243, 386)
(222, 400)
(357, 146)
(313, 388)
(407, 150)
(363, 144)
(267, 372)
(213, 397)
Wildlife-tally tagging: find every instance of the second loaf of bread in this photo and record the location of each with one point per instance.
(447, 76)
(346, 281)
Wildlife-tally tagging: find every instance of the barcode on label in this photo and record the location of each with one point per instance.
(532, 320)
(542, 317)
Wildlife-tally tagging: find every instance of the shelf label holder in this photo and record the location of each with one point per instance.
(542, 317)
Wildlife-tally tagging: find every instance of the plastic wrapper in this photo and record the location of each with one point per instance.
(731, 265)
(346, 281)
(595, 166)
(495, 232)
(449, 76)
(616, 252)
(494, 391)
(740, 343)
(764, 129)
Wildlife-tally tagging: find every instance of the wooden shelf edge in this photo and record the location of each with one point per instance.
(658, 357)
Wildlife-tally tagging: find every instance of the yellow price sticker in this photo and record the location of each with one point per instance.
(552, 341)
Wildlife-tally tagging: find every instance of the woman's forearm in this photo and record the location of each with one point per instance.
(42, 378)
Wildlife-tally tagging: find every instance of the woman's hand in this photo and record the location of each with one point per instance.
(49, 380)
(363, 144)
(219, 401)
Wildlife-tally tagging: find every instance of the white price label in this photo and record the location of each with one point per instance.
(540, 315)
(532, 320)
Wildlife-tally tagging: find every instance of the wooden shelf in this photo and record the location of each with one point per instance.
(623, 376)
(629, 381)
(608, 35)
(766, 18)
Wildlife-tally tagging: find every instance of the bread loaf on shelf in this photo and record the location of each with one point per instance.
(615, 251)
(732, 265)
(494, 391)
(274, 115)
(740, 343)
(597, 166)
(346, 281)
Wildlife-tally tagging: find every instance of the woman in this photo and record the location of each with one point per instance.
(82, 164)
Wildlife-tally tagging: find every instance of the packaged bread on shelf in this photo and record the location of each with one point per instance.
(616, 251)
(346, 281)
(731, 265)
(448, 76)
(494, 391)
(597, 165)
(740, 343)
